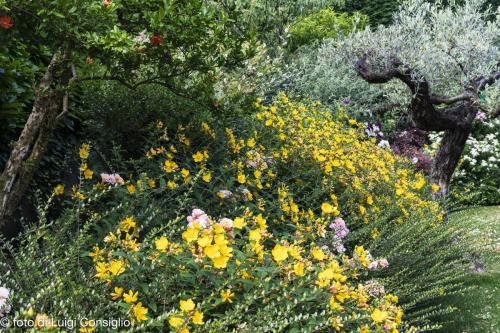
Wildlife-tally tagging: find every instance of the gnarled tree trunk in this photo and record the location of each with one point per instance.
(32, 143)
(455, 120)
(447, 157)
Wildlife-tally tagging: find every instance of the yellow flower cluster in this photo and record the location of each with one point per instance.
(355, 178)
(180, 320)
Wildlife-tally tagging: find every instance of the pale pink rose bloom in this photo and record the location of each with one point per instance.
(373, 266)
(383, 263)
(227, 224)
(198, 216)
(112, 179)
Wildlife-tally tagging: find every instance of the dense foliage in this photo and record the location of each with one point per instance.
(325, 23)
(173, 199)
(279, 219)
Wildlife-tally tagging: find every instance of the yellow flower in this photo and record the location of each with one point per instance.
(84, 151)
(87, 327)
(171, 185)
(212, 251)
(254, 235)
(435, 188)
(170, 166)
(227, 296)
(197, 318)
(131, 189)
(130, 297)
(318, 254)
(59, 189)
(43, 321)
(116, 267)
(127, 223)
(162, 243)
(239, 223)
(241, 178)
(198, 157)
(117, 293)
(379, 316)
(140, 312)
(88, 173)
(375, 233)
(419, 183)
(369, 200)
(251, 143)
(280, 253)
(151, 183)
(175, 321)
(362, 210)
(220, 262)
(190, 235)
(326, 208)
(187, 305)
(204, 240)
(298, 269)
(207, 177)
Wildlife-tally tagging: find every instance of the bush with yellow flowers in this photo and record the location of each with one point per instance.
(289, 220)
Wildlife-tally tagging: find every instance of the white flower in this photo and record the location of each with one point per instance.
(4, 293)
(384, 144)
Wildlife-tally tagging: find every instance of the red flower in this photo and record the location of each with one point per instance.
(156, 40)
(6, 22)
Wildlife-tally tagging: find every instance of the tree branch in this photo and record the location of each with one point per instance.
(482, 81)
(437, 99)
(422, 110)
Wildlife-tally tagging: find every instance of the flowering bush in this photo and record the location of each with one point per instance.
(290, 220)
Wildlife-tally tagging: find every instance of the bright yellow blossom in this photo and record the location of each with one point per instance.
(140, 312)
(187, 305)
(227, 296)
(162, 243)
(130, 297)
(280, 253)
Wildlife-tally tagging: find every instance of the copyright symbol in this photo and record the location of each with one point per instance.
(4, 322)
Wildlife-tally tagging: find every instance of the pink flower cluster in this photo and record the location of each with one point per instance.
(200, 217)
(256, 160)
(112, 179)
(381, 263)
(339, 228)
(340, 231)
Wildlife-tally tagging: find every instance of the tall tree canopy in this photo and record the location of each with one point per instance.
(174, 44)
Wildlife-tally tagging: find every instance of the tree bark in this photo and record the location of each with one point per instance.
(447, 157)
(32, 143)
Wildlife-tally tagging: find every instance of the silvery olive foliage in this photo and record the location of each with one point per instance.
(447, 45)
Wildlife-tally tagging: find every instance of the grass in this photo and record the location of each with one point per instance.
(480, 310)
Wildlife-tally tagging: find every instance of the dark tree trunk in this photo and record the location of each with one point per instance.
(32, 143)
(447, 157)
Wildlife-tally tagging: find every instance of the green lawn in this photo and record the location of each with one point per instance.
(480, 311)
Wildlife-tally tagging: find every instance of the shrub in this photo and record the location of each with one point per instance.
(263, 225)
(325, 23)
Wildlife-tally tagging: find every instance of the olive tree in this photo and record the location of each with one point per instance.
(439, 63)
(167, 43)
